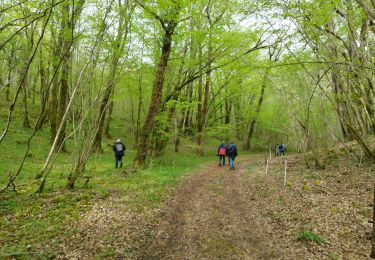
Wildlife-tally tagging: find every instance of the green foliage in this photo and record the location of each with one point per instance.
(306, 235)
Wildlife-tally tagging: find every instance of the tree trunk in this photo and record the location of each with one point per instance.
(26, 122)
(66, 44)
(53, 104)
(257, 110)
(139, 110)
(199, 108)
(101, 115)
(108, 121)
(43, 96)
(10, 69)
(63, 97)
(157, 91)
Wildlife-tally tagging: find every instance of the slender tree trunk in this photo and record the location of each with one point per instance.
(53, 104)
(109, 118)
(187, 127)
(10, 69)
(139, 110)
(26, 122)
(257, 110)
(43, 95)
(63, 97)
(228, 110)
(66, 44)
(101, 115)
(203, 117)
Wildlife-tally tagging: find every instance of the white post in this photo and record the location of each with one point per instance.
(267, 168)
(286, 165)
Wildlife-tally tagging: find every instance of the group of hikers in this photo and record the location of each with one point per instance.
(280, 149)
(223, 151)
(230, 151)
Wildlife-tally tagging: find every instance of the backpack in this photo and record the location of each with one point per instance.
(231, 150)
(119, 147)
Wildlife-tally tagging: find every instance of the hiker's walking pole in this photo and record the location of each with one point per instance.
(286, 165)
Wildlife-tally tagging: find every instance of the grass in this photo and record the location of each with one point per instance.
(33, 225)
(306, 235)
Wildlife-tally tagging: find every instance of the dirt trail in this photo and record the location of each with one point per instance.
(213, 216)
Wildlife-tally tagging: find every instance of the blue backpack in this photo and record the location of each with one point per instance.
(231, 149)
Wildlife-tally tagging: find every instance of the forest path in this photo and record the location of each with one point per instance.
(214, 215)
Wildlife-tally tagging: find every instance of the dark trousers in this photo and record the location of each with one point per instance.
(118, 161)
(221, 159)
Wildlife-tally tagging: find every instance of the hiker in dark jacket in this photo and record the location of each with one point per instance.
(281, 149)
(221, 152)
(119, 149)
(232, 153)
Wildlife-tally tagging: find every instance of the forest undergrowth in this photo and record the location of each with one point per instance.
(319, 214)
(43, 225)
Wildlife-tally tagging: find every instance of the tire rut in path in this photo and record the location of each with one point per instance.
(211, 216)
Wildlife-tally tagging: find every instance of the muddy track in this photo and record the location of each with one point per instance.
(212, 216)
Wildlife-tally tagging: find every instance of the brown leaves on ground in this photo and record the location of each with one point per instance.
(241, 214)
(332, 203)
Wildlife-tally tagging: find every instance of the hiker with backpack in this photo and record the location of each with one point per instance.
(281, 149)
(119, 149)
(221, 153)
(232, 153)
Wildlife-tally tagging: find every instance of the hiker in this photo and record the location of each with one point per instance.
(281, 149)
(232, 153)
(221, 153)
(119, 149)
(276, 150)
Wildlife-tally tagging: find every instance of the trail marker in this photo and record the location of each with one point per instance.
(286, 165)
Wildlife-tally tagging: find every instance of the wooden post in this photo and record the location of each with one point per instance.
(373, 228)
(286, 165)
(267, 167)
(270, 154)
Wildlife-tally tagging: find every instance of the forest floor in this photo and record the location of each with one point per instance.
(243, 214)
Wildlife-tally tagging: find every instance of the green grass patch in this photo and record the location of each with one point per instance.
(306, 235)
